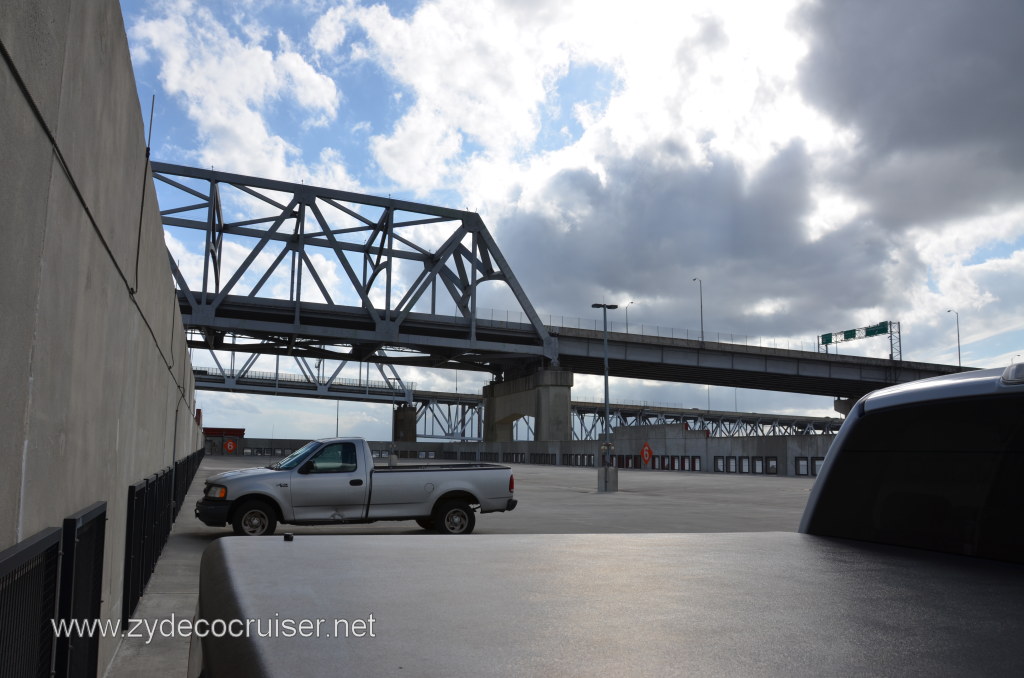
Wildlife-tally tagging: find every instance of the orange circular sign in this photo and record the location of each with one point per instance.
(646, 453)
(230, 445)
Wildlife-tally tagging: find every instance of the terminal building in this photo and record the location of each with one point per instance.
(666, 447)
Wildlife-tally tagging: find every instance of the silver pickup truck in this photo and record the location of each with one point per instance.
(334, 481)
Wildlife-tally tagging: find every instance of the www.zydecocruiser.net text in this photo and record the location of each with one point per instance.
(174, 627)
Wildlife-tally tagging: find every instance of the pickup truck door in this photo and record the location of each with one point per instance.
(331, 485)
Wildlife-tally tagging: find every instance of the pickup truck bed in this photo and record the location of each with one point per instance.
(755, 604)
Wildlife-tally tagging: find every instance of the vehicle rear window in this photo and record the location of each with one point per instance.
(946, 476)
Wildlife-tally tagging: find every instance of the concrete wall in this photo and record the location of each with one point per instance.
(97, 385)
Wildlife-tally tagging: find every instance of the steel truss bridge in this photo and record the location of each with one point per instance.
(290, 269)
(450, 416)
(333, 278)
(459, 416)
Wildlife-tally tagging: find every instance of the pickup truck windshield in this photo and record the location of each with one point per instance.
(293, 459)
(944, 476)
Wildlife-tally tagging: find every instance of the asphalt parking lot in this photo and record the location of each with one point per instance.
(552, 500)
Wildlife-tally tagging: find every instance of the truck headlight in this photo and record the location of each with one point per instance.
(216, 492)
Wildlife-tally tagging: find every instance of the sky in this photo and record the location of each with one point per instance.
(819, 166)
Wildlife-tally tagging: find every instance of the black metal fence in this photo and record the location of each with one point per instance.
(153, 504)
(81, 589)
(55, 578)
(28, 603)
(51, 579)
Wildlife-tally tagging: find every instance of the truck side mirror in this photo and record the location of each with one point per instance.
(307, 467)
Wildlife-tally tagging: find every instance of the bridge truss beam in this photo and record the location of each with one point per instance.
(315, 379)
(589, 421)
(297, 270)
(443, 418)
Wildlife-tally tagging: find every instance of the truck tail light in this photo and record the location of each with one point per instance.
(511, 484)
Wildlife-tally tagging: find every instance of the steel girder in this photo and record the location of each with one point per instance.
(450, 418)
(588, 421)
(315, 380)
(299, 270)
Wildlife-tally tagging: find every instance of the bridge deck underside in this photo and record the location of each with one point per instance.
(718, 364)
(338, 332)
(440, 342)
(737, 378)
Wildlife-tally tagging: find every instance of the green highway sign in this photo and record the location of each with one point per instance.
(884, 327)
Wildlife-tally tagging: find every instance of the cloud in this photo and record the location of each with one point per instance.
(932, 91)
(930, 94)
(330, 30)
(229, 83)
(311, 90)
(652, 224)
(479, 73)
(492, 73)
(417, 154)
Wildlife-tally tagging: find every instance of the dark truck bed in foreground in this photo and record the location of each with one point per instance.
(910, 564)
(753, 604)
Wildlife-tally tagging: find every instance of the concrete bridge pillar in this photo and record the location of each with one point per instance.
(544, 395)
(844, 405)
(403, 426)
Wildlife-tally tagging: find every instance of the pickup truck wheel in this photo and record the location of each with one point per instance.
(254, 518)
(426, 523)
(454, 517)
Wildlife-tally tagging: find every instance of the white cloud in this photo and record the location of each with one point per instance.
(418, 153)
(189, 263)
(475, 72)
(708, 78)
(329, 32)
(228, 84)
(767, 307)
(312, 90)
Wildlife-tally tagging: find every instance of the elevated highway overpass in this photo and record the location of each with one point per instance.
(723, 364)
(581, 351)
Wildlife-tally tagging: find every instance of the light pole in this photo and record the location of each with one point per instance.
(607, 410)
(626, 309)
(958, 362)
(700, 286)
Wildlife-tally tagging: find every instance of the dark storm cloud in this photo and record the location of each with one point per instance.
(935, 92)
(653, 225)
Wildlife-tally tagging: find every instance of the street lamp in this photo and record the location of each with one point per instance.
(626, 309)
(700, 284)
(958, 362)
(607, 410)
